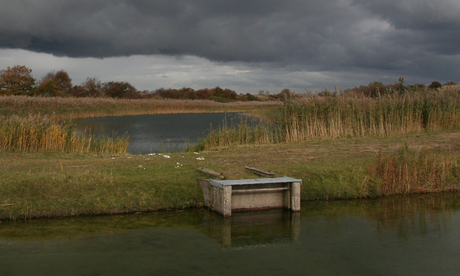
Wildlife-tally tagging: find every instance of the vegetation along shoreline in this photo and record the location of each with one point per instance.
(345, 145)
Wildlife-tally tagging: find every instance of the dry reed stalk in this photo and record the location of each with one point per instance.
(38, 133)
(319, 117)
(414, 172)
(341, 116)
(241, 134)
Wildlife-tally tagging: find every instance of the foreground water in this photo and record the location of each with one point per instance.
(418, 235)
(162, 132)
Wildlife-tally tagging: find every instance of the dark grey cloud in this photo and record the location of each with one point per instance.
(407, 37)
(435, 24)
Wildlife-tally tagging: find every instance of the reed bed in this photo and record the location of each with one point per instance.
(72, 108)
(239, 134)
(320, 117)
(410, 171)
(329, 117)
(39, 133)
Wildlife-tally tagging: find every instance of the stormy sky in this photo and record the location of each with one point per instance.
(244, 45)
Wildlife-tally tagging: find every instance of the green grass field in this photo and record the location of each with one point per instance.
(46, 184)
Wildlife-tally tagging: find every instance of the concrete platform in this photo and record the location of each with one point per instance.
(225, 196)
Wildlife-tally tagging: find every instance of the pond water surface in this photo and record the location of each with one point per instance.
(162, 132)
(416, 235)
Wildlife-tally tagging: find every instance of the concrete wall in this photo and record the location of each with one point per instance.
(222, 200)
(258, 200)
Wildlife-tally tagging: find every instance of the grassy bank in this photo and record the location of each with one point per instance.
(66, 184)
(72, 108)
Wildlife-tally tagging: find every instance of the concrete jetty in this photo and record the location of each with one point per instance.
(225, 196)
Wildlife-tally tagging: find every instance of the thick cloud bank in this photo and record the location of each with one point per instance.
(409, 37)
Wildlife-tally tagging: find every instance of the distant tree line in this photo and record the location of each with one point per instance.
(375, 89)
(18, 80)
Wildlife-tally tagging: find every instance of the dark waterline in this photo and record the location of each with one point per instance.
(416, 235)
(159, 133)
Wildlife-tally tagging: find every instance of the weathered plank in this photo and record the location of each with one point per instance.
(269, 190)
(211, 173)
(260, 172)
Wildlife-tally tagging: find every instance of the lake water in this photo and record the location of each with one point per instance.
(162, 132)
(416, 235)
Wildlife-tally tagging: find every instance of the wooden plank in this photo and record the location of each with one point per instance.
(211, 173)
(260, 172)
(266, 190)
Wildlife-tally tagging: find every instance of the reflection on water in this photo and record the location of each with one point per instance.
(417, 235)
(161, 132)
(249, 229)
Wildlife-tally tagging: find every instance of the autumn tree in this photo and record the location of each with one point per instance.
(118, 89)
(435, 85)
(48, 89)
(373, 89)
(92, 87)
(183, 93)
(61, 81)
(168, 93)
(188, 93)
(286, 94)
(16, 80)
(229, 94)
(204, 94)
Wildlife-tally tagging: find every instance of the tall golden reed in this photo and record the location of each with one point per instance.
(330, 117)
(320, 117)
(239, 134)
(410, 171)
(39, 133)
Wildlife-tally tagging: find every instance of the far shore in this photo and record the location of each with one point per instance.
(70, 108)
